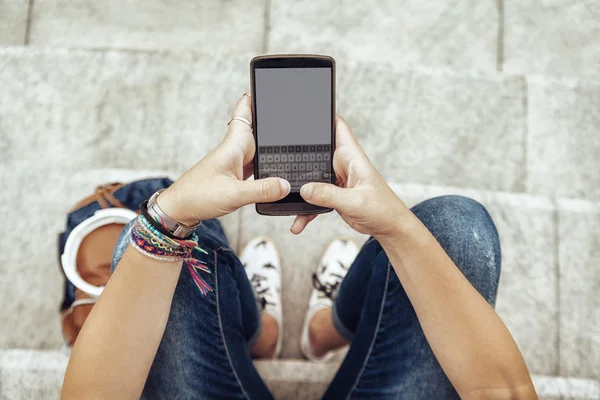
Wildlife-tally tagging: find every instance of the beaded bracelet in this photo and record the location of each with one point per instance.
(154, 244)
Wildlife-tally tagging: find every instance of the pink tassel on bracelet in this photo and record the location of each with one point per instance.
(194, 266)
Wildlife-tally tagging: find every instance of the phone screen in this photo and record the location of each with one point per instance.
(293, 125)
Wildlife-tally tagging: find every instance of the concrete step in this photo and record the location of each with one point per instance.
(65, 109)
(30, 374)
(547, 294)
(13, 22)
(516, 36)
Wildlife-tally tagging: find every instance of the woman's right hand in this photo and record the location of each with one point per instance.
(361, 196)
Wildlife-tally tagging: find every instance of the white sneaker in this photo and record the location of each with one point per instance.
(263, 268)
(333, 267)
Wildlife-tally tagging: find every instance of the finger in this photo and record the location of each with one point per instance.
(340, 166)
(301, 222)
(239, 132)
(328, 195)
(348, 149)
(343, 133)
(262, 191)
(243, 109)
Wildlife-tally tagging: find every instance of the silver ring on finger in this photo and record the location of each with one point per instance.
(244, 120)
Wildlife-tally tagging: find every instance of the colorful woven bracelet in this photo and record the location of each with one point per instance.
(156, 237)
(146, 241)
(152, 243)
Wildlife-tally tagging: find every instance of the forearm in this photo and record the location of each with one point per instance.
(115, 349)
(470, 341)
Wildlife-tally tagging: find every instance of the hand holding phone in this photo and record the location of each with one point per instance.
(293, 99)
(360, 195)
(218, 184)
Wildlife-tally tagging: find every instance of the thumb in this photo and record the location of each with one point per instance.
(327, 195)
(263, 190)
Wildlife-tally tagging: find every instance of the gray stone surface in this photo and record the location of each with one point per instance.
(437, 128)
(460, 34)
(27, 374)
(213, 26)
(552, 37)
(421, 127)
(563, 139)
(579, 252)
(299, 258)
(31, 284)
(296, 379)
(85, 109)
(527, 297)
(13, 21)
(558, 388)
(31, 199)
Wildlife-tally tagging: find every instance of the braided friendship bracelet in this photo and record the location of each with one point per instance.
(166, 245)
(145, 241)
(152, 256)
(154, 244)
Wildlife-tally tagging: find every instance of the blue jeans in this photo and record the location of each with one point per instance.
(204, 352)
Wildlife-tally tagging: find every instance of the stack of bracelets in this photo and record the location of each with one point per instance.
(151, 239)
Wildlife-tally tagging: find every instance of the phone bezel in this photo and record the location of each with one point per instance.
(288, 206)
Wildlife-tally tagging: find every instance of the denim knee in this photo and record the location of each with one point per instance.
(465, 230)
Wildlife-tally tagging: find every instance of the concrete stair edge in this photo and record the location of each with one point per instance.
(405, 66)
(28, 373)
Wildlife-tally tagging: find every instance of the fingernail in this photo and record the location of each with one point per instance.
(306, 190)
(285, 186)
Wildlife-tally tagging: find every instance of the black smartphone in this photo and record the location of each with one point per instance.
(293, 109)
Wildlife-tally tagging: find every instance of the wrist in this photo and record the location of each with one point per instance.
(398, 228)
(171, 203)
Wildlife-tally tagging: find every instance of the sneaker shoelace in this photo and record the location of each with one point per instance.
(329, 288)
(262, 291)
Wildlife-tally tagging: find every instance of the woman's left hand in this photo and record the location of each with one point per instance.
(217, 184)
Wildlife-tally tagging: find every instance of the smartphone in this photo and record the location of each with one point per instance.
(293, 109)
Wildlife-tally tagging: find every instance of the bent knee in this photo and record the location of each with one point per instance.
(465, 230)
(456, 215)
